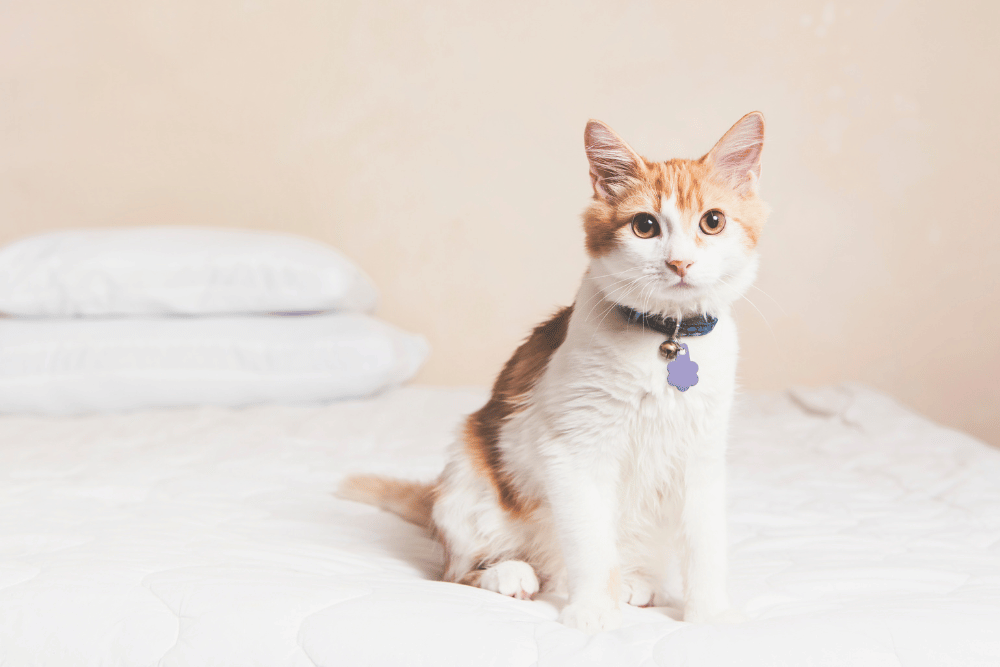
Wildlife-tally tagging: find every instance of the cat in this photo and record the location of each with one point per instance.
(590, 470)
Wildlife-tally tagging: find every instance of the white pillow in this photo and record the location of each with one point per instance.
(79, 365)
(176, 271)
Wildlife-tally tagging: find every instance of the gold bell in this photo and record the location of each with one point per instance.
(669, 349)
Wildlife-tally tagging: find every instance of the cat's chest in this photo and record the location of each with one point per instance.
(634, 371)
(654, 411)
(613, 386)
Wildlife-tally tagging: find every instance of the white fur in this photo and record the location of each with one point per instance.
(630, 471)
(510, 577)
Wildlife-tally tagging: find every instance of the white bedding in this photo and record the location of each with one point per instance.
(860, 535)
(71, 366)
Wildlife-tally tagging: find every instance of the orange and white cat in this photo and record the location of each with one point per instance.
(586, 471)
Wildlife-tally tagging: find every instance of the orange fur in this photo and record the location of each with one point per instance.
(471, 578)
(412, 501)
(512, 386)
(697, 186)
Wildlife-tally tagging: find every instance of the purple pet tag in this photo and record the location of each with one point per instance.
(682, 373)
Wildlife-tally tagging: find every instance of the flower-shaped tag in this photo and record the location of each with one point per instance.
(682, 373)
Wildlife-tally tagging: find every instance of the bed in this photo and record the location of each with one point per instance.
(860, 534)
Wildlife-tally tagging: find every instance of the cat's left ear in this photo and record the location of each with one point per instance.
(736, 158)
(613, 163)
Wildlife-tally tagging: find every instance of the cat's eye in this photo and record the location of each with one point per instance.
(645, 226)
(713, 222)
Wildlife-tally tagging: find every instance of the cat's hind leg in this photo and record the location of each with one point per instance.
(484, 547)
(637, 591)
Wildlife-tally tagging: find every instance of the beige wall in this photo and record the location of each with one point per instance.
(439, 144)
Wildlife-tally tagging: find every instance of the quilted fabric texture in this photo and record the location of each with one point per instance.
(860, 534)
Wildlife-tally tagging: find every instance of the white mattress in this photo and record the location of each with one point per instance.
(860, 535)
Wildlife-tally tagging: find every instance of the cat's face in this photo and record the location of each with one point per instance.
(678, 235)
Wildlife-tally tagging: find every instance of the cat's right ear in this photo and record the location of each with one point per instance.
(736, 156)
(613, 163)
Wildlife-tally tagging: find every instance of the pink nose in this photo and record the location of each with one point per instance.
(679, 266)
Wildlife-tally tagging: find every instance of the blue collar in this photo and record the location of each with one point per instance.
(690, 326)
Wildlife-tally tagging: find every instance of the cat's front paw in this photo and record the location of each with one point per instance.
(591, 617)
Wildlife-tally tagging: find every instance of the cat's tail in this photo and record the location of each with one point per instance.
(412, 501)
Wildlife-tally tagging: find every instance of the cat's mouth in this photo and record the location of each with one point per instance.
(681, 283)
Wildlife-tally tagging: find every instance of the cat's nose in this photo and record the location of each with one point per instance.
(680, 266)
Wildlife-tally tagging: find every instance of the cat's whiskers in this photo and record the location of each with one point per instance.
(783, 311)
(606, 275)
(645, 301)
(613, 306)
(609, 300)
(602, 294)
(599, 292)
(631, 287)
(762, 316)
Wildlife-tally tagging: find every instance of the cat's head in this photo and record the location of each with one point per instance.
(679, 235)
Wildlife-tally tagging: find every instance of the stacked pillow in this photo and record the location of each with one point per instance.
(100, 320)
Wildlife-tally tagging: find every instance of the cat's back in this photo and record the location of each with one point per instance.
(484, 433)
